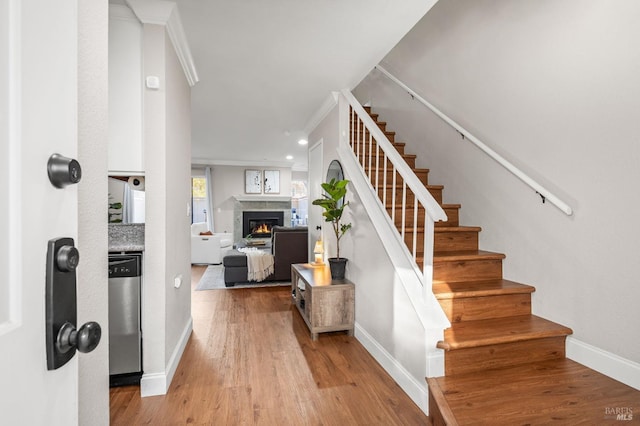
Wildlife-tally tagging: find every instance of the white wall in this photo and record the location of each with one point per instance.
(126, 153)
(93, 379)
(178, 171)
(384, 314)
(553, 87)
(154, 293)
(166, 310)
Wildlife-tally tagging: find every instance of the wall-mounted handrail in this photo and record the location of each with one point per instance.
(541, 190)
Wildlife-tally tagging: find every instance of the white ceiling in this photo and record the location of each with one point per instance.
(266, 67)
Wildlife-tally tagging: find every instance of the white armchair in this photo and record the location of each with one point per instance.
(209, 249)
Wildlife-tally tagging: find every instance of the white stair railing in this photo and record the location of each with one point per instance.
(544, 193)
(399, 191)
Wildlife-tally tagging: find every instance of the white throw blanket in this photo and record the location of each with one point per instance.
(259, 263)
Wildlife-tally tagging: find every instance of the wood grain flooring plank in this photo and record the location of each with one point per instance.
(250, 360)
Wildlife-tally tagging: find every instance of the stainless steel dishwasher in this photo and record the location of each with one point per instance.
(125, 331)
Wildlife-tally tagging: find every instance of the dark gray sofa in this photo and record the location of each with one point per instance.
(288, 245)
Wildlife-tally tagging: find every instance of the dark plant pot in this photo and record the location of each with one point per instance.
(337, 266)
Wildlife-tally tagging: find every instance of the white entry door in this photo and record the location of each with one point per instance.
(38, 117)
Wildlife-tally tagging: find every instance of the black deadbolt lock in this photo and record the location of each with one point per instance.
(63, 171)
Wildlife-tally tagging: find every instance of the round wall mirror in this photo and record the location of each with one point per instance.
(335, 171)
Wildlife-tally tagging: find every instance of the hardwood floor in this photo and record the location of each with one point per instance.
(251, 360)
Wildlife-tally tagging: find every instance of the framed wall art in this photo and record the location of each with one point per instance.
(253, 182)
(272, 181)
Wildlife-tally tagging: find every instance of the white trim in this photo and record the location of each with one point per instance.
(418, 392)
(153, 384)
(12, 153)
(125, 173)
(329, 103)
(155, 12)
(160, 12)
(158, 383)
(178, 351)
(180, 44)
(612, 365)
(122, 12)
(195, 162)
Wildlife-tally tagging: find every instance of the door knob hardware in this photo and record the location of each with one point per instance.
(63, 171)
(63, 339)
(84, 340)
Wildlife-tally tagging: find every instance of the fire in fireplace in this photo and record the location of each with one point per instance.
(263, 228)
(258, 224)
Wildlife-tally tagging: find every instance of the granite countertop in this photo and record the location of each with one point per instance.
(126, 237)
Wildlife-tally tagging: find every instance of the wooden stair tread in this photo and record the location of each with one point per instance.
(381, 154)
(453, 256)
(441, 229)
(452, 290)
(558, 391)
(461, 256)
(366, 131)
(468, 334)
(444, 207)
(389, 169)
(459, 229)
(389, 186)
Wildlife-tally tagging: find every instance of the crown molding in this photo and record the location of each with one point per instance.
(195, 162)
(122, 12)
(329, 103)
(160, 12)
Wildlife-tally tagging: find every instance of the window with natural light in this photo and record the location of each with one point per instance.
(299, 203)
(198, 199)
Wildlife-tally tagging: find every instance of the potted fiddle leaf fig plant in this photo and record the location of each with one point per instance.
(333, 203)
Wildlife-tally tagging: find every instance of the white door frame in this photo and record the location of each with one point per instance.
(316, 166)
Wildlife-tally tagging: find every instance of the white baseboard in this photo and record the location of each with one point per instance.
(417, 391)
(178, 351)
(158, 383)
(618, 368)
(153, 384)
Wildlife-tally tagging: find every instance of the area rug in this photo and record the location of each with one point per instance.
(213, 279)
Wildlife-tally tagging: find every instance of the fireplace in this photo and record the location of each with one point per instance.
(258, 224)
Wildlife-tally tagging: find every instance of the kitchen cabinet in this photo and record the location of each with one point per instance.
(126, 148)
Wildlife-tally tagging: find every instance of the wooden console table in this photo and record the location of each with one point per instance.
(325, 304)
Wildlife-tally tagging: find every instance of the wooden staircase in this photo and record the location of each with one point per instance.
(492, 328)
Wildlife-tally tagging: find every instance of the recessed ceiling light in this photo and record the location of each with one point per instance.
(289, 157)
(303, 142)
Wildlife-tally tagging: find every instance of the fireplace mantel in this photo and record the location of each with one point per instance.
(279, 198)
